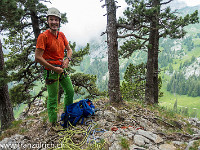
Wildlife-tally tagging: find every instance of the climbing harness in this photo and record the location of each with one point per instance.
(61, 76)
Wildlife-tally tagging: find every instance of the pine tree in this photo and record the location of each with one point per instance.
(6, 110)
(9, 15)
(133, 86)
(145, 23)
(113, 61)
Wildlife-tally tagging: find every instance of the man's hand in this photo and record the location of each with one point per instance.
(65, 63)
(58, 70)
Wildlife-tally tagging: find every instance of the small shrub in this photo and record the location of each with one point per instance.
(124, 143)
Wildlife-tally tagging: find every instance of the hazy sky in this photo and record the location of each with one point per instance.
(85, 17)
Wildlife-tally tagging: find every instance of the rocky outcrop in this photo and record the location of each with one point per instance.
(134, 127)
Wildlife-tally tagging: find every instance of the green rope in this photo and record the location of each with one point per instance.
(67, 143)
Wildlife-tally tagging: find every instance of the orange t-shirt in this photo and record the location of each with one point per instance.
(53, 47)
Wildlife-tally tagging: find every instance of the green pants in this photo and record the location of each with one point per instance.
(52, 89)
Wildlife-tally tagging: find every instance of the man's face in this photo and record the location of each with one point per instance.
(53, 22)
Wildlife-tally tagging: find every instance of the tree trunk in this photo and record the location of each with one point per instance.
(149, 88)
(35, 24)
(113, 62)
(6, 110)
(156, 3)
(151, 91)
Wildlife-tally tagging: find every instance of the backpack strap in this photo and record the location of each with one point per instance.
(77, 119)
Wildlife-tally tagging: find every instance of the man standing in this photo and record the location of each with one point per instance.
(50, 53)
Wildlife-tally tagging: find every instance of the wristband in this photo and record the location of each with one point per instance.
(69, 58)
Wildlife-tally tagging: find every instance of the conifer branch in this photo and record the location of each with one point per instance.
(134, 35)
(164, 3)
(34, 98)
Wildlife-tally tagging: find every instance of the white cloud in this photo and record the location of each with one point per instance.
(191, 2)
(86, 20)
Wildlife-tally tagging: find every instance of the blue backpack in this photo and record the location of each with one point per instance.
(74, 112)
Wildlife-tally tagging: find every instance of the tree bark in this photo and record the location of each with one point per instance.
(151, 89)
(156, 3)
(6, 110)
(113, 62)
(35, 23)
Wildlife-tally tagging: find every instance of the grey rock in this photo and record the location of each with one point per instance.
(153, 147)
(135, 147)
(178, 142)
(167, 147)
(113, 109)
(14, 142)
(110, 116)
(190, 144)
(198, 123)
(122, 113)
(148, 134)
(140, 140)
(115, 146)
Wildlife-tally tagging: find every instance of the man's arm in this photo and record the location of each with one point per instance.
(69, 55)
(42, 61)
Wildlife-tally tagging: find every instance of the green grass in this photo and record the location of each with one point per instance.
(168, 100)
(18, 111)
(183, 101)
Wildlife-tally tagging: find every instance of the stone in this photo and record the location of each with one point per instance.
(153, 147)
(132, 130)
(107, 134)
(140, 140)
(110, 116)
(198, 123)
(113, 109)
(122, 113)
(148, 134)
(101, 122)
(131, 136)
(14, 142)
(113, 138)
(167, 147)
(178, 143)
(135, 147)
(190, 144)
(115, 146)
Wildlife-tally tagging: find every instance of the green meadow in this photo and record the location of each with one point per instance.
(183, 102)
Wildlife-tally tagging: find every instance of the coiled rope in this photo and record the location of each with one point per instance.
(67, 143)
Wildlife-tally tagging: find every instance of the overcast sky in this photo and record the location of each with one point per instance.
(85, 17)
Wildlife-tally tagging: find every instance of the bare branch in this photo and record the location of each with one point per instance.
(166, 2)
(103, 5)
(130, 27)
(128, 35)
(103, 33)
(46, 1)
(34, 98)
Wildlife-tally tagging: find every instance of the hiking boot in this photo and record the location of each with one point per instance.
(56, 126)
(53, 128)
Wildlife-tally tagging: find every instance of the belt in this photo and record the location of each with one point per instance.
(56, 65)
(61, 60)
